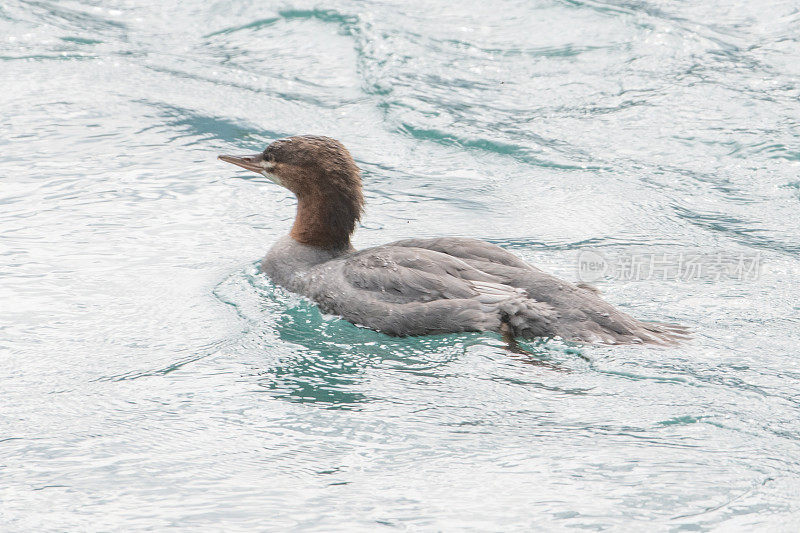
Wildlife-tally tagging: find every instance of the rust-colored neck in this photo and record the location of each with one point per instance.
(326, 220)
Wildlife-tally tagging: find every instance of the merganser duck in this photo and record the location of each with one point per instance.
(419, 286)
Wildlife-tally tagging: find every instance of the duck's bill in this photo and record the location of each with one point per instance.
(252, 162)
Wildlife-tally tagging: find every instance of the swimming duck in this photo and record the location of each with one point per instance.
(419, 286)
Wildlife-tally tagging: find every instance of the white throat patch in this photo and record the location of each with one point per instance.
(270, 176)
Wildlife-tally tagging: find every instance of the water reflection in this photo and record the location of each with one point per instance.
(334, 357)
(325, 360)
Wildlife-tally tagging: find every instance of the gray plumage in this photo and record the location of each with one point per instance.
(446, 285)
(418, 286)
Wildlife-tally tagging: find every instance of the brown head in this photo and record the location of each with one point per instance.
(326, 181)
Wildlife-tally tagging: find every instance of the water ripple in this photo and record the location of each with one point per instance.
(153, 379)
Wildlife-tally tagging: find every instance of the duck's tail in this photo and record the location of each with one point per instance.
(595, 323)
(665, 333)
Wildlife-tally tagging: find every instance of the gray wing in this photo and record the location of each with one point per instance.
(423, 286)
(408, 290)
(581, 314)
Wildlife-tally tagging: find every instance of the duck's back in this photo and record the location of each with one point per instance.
(425, 286)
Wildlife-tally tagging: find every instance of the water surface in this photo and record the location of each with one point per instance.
(151, 378)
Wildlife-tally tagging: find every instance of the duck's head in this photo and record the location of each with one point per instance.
(324, 178)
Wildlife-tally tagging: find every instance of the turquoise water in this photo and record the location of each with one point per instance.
(151, 378)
